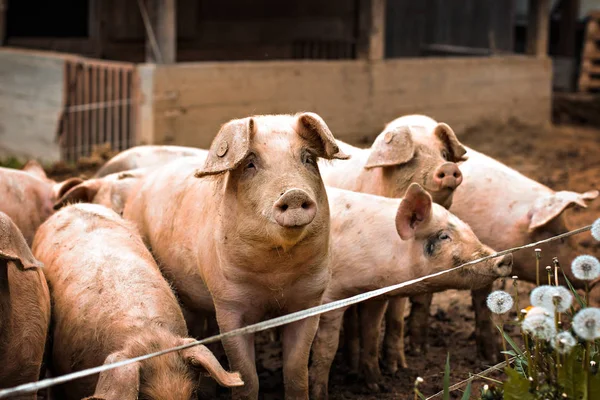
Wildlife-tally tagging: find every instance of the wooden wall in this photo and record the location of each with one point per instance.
(412, 25)
(356, 98)
(31, 95)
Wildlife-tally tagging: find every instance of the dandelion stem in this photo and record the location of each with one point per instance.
(538, 255)
(536, 362)
(528, 352)
(504, 342)
(587, 294)
(586, 368)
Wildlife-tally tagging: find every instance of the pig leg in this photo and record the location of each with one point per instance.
(394, 335)
(485, 333)
(371, 315)
(297, 339)
(418, 322)
(324, 348)
(352, 339)
(239, 349)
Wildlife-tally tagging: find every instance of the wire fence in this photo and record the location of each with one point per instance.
(269, 324)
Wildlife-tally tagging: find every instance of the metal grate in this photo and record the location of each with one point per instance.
(323, 49)
(100, 106)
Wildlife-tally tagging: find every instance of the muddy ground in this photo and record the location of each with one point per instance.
(562, 157)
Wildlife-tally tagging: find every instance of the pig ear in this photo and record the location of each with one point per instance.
(59, 189)
(34, 168)
(457, 151)
(13, 246)
(414, 210)
(122, 383)
(84, 192)
(547, 208)
(201, 357)
(229, 148)
(393, 146)
(315, 130)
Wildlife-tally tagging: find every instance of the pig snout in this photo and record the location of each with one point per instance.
(295, 208)
(503, 265)
(448, 176)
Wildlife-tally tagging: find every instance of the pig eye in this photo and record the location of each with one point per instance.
(308, 159)
(444, 236)
(445, 155)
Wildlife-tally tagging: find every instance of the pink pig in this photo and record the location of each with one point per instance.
(246, 233)
(505, 209)
(28, 196)
(111, 303)
(145, 156)
(378, 242)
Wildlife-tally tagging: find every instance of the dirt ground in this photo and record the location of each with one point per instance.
(562, 157)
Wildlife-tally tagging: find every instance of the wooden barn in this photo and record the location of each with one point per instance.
(77, 73)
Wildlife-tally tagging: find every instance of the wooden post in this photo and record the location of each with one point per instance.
(3, 7)
(96, 31)
(569, 13)
(538, 27)
(163, 18)
(371, 30)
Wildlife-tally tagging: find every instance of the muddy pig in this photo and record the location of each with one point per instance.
(111, 191)
(145, 156)
(110, 303)
(28, 196)
(506, 209)
(401, 154)
(24, 309)
(246, 234)
(398, 240)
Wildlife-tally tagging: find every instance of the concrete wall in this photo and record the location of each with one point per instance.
(186, 103)
(31, 95)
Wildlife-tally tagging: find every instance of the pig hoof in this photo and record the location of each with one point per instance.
(391, 367)
(373, 387)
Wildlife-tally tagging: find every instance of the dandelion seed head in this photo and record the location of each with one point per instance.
(586, 267)
(564, 342)
(539, 295)
(539, 325)
(499, 302)
(557, 299)
(586, 323)
(596, 229)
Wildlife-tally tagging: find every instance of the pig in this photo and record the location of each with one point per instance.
(378, 241)
(111, 303)
(28, 196)
(145, 156)
(111, 191)
(401, 154)
(24, 309)
(506, 209)
(246, 233)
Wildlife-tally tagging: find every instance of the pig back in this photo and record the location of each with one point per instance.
(24, 309)
(26, 199)
(105, 287)
(494, 199)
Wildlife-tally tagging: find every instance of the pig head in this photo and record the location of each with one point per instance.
(403, 154)
(111, 191)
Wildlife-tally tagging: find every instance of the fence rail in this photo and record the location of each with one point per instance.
(100, 106)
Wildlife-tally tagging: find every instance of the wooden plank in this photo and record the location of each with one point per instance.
(116, 109)
(371, 29)
(538, 27)
(356, 98)
(93, 116)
